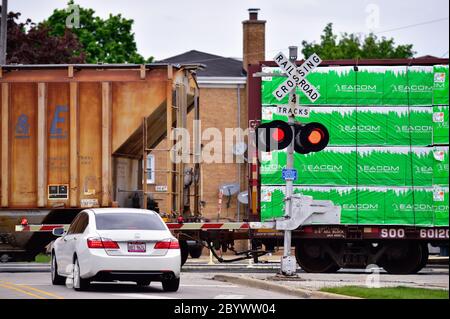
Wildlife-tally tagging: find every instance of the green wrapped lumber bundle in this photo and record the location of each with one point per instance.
(370, 205)
(367, 166)
(369, 86)
(440, 124)
(387, 161)
(377, 126)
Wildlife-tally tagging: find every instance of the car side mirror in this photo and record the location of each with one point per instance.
(58, 231)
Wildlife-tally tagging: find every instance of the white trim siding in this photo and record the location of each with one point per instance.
(220, 82)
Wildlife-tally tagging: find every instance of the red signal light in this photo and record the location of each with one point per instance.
(315, 136)
(278, 135)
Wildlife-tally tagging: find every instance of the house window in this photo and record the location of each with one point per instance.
(150, 169)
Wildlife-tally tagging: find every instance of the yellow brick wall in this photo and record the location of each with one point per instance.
(218, 109)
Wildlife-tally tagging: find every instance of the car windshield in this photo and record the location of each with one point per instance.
(124, 221)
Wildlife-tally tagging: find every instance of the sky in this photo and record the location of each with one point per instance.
(170, 27)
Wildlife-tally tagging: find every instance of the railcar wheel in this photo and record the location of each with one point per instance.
(403, 258)
(196, 251)
(312, 257)
(424, 260)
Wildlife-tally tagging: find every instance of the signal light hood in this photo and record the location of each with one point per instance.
(277, 135)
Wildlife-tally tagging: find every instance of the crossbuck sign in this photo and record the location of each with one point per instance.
(297, 77)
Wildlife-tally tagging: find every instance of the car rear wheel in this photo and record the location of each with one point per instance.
(79, 284)
(171, 285)
(56, 279)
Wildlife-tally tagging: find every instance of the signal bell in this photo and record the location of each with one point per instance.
(277, 135)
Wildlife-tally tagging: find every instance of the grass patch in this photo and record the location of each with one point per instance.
(389, 292)
(42, 258)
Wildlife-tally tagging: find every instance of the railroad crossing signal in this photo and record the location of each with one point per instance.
(297, 77)
(277, 135)
(298, 137)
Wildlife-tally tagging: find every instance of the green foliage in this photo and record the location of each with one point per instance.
(43, 258)
(108, 40)
(28, 43)
(350, 46)
(388, 292)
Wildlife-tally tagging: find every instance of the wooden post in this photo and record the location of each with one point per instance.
(5, 144)
(106, 143)
(142, 72)
(42, 146)
(74, 187)
(169, 110)
(70, 71)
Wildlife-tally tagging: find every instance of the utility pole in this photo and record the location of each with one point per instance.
(3, 33)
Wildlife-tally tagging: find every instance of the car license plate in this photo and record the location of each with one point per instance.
(136, 247)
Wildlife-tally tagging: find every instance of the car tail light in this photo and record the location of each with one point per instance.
(109, 244)
(104, 243)
(173, 244)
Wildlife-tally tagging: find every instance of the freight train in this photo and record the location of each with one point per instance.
(386, 164)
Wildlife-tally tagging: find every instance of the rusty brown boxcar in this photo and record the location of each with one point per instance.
(71, 137)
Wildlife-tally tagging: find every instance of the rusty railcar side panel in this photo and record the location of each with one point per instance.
(62, 125)
(100, 74)
(58, 144)
(4, 157)
(131, 102)
(22, 143)
(90, 142)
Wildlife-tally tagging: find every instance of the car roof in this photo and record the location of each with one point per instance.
(121, 210)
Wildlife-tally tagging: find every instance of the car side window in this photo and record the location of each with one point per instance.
(82, 223)
(73, 226)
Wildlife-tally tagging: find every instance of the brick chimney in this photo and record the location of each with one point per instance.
(254, 39)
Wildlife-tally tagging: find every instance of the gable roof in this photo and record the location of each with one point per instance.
(216, 65)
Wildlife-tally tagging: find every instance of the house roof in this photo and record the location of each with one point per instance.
(216, 65)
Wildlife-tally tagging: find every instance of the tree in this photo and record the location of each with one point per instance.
(108, 40)
(350, 46)
(28, 43)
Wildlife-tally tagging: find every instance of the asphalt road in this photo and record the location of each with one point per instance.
(32, 281)
(37, 285)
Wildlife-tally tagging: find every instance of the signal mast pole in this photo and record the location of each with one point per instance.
(288, 262)
(3, 32)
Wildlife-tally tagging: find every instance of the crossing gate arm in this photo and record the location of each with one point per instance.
(171, 226)
(40, 228)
